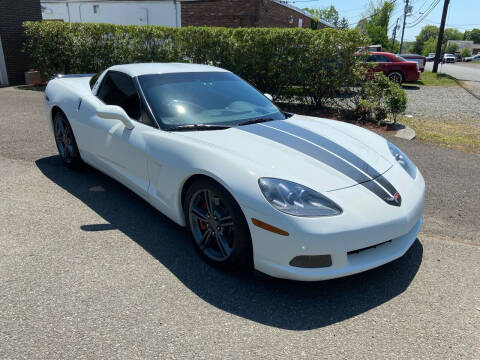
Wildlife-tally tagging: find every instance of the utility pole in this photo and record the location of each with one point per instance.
(404, 21)
(440, 37)
(395, 35)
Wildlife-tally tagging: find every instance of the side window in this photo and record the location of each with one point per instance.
(378, 58)
(118, 89)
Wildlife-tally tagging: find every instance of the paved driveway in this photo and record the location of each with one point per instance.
(89, 270)
(469, 73)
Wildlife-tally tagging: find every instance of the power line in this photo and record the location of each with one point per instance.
(372, 15)
(424, 15)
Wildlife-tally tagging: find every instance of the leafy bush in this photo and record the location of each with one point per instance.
(377, 98)
(319, 63)
(316, 66)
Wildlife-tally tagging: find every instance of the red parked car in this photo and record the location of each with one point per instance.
(394, 67)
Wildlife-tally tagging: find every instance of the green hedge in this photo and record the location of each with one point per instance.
(319, 62)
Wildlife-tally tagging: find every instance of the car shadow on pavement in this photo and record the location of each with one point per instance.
(274, 302)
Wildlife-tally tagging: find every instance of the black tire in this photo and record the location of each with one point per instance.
(65, 141)
(234, 239)
(396, 77)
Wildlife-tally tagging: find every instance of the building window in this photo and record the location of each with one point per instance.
(291, 19)
(300, 22)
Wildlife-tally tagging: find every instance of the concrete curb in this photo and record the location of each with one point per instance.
(406, 133)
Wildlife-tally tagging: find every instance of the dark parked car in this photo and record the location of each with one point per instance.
(472, 58)
(420, 59)
(396, 68)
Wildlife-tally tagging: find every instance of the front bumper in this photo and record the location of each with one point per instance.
(368, 234)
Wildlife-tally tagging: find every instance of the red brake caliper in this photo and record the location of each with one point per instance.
(203, 206)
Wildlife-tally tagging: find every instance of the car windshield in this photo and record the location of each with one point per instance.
(402, 59)
(206, 98)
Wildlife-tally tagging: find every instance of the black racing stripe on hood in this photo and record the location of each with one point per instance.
(322, 155)
(326, 144)
(306, 148)
(334, 148)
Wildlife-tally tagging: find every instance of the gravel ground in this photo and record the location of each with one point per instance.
(442, 103)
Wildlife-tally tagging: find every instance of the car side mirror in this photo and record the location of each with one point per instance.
(115, 112)
(269, 97)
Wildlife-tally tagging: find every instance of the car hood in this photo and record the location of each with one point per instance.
(323, 154)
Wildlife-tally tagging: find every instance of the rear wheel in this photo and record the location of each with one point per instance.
(396, 77)
(217, 225)
(65, 140)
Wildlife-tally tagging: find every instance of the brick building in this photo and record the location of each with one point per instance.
(244, 13)
(13, 63)
(229, 13)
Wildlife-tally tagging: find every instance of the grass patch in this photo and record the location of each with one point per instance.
(427, 78)
(453, 135)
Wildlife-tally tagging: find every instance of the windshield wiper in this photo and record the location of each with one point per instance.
(190, 127)
(255, 121)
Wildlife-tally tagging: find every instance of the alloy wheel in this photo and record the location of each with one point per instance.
(396, 77)
(211, 224)
(64, 139)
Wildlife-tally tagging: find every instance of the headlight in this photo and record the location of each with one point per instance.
(295, 199)
(403, 160)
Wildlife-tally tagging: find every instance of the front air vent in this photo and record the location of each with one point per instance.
(312, 261)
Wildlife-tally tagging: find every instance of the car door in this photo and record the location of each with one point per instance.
(377, 59)
(117, 150)
(384, 63)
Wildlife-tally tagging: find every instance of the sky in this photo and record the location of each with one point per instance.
(462, 14)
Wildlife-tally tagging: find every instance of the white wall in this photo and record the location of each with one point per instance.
(166, 13)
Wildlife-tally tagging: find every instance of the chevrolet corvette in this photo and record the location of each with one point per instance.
(292, 196)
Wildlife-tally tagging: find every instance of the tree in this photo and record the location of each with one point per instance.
(343, 24)
(473, 34)
(375, 23)
(427, 33)
(427, 38)
(452, 34)
(429, 46)
(330, 15)
(451, 48)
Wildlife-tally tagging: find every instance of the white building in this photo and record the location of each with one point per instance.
(155, 12)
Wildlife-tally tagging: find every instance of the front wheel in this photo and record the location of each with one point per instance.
(396, 77)
(217, 225)
(65, 140)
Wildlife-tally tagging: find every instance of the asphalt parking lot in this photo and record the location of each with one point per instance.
(89, 270)
(468, 73)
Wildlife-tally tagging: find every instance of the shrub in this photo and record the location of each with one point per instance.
(466, 52)
(377, 98)
(319, 63)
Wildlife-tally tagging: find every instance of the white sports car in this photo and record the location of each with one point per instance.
(297, 197)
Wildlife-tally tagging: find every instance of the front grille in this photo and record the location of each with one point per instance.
(368, 247)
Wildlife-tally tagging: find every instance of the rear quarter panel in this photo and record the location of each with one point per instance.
(66, 94)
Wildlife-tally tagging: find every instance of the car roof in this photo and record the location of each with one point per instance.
(380, 53)
(163, 68)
